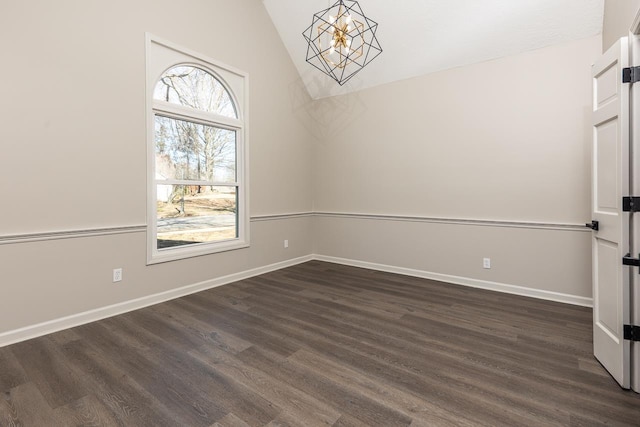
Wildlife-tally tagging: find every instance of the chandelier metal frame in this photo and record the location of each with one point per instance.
(341, 40)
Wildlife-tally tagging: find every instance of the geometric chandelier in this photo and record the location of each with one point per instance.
(341, 40)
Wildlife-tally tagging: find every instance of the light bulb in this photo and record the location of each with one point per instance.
(348, 19)
(332, 50)
(332, 19)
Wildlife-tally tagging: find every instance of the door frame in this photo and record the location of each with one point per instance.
(634, 156)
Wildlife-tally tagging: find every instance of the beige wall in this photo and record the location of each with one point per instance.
(549, 263)
(43, 281)
(74, 148)
(505, 140)
(76, 108)
(618, 17)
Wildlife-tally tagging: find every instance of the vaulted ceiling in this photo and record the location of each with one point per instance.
(424, 36)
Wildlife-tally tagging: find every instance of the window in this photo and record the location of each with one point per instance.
(197, 146)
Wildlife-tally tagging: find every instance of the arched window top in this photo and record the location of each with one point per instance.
(195, 88)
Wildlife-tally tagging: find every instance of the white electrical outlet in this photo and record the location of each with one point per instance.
(486, 263)
(117, 275)
(286, 244)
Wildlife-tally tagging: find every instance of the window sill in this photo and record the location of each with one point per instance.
(167, 255)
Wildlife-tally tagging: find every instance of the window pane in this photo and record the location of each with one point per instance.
(189, 214)
(194, 88)
(186, 150)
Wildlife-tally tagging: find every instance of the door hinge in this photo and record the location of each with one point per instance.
(632, 333)
(631, 204)
(633, 262)
(631, 75)
(594, 225)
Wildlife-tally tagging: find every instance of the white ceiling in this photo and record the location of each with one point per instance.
(424, 36)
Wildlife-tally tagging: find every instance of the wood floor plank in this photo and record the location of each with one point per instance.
(231, 421)
(321, 344)
(236, 323)
(88, 411)
(11, 372)
(187, 322)
(64, 336)
(374, 306)
(228, 393)
(350, 317)
(313, 383)
(592, 366)
(57, 383)
(296, 405)
(161, 327)
(408, 403)
(159, 381)
(24, 405)
(412, 373)
(8, 411)
(129, 401)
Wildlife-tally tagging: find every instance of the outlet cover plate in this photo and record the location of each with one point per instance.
(117, 275)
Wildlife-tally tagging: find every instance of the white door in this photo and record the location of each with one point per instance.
(610, 182)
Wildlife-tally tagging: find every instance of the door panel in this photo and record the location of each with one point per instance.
(608, 171)
(610, 243)
(607, 86)
(607, 254)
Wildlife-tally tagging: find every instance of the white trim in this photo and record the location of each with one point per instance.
(194, 182)
(635, 27)
(236, 83)
(182, 50)
(33, 331)
(426, 219)
(275, 217)
(464, 281)
(179, 112)
(89, 232)
(151, 193)
(197, 249)
(71, 234)
(459, 221)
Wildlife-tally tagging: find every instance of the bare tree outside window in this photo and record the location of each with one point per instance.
(195, 162)
(195, 88)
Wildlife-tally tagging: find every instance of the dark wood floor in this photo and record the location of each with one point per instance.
(320, 344)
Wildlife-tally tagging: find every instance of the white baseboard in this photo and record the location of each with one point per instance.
(33, 331)
(465, 281)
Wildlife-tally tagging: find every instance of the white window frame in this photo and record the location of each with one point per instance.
(162, 55)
